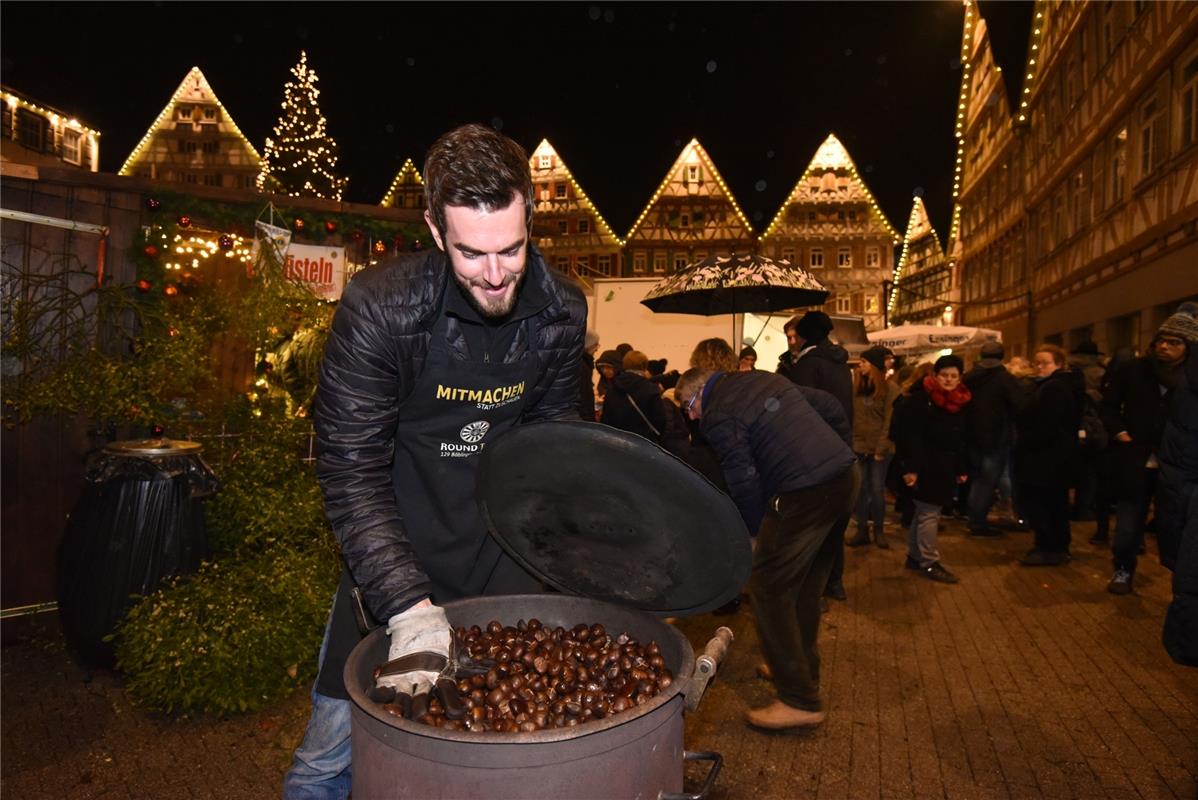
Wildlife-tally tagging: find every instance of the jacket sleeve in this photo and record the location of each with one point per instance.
(560, 401)
(883, 445)
(912, 449)
(1113, 399)
(729, 437)
(357, 404)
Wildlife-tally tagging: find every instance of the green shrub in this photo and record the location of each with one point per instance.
(235, 636)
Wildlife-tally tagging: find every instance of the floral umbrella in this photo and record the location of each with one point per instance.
(736, 284)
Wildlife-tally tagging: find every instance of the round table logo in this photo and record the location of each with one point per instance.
(475, 431)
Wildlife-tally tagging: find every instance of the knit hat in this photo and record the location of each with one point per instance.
(611, 358)
(747, 352)
(657, 366)
(991, 355)
(944, 362)
(1181, 325)
(877, 355)
(814, 326)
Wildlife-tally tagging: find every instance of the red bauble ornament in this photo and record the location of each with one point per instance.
(171, 290)
(144, 286)
(357, 236)
(330, 226)
(225, 242)
(298, 224)
(184, 221)
(153, 204)
(150, 250)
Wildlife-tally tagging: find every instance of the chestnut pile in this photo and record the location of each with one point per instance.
(530, 678)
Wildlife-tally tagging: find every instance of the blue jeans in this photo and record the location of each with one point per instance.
(986, 468)
(320, 769)
(871, 500)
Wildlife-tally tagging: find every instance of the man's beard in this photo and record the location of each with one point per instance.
(501, 307)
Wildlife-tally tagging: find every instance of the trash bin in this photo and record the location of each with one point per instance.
(140, 521)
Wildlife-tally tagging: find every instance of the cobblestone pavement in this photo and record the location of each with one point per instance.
(1018, 682)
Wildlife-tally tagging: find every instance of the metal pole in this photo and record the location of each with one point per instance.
(54, 222)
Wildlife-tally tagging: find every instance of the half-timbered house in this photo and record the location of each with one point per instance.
(32, 133)
(691, 215)
(406, 189)
(923, 279)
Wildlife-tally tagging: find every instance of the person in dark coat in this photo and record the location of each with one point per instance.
(1085, 360)
(931, 453)
(793, 478)
(634, 403)
(813, 360)
(1177, 502)
(609, 363)
(1134, 409)
(586, 377)
(989, 431)
(1045, 451)
(1105, 490)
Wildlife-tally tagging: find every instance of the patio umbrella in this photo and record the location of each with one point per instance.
(735, 284)
(911, 339)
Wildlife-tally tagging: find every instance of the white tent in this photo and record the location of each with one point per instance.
(907, 340)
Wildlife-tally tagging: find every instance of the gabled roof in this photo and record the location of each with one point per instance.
(405, 175)
(831, 157)
(546, 149)
(194, 89)
(691, 152)
(919, 228)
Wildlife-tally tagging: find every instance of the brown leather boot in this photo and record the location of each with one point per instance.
(778, 716)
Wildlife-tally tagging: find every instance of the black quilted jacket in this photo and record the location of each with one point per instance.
(375, 353)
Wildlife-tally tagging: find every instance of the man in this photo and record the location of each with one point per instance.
(1135, 407)
(1084, 360)
(989, 431)
(430, 357)
(813, 360)
(793, 478)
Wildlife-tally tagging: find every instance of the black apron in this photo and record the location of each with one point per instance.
(455, 409)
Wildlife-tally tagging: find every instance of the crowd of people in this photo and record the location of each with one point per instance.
(801, 451)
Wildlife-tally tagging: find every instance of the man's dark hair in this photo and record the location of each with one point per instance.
(476, 167)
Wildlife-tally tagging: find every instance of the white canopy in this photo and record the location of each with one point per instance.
(907, 340)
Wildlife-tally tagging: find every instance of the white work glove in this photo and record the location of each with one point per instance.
(420, 629)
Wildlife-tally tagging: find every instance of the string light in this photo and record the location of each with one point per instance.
(301, 147)
(919, 227)
(831, 156)
(546, 149)
(204, 90)
(192, 249)
(971, 21)
(1031, 71)
(692, 151)
(407, 175)
(59, 122)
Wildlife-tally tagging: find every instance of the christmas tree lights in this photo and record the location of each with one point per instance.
(301, 157)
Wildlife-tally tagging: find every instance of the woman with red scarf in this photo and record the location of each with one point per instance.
(931, 454)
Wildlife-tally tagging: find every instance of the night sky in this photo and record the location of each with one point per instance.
(618, 88)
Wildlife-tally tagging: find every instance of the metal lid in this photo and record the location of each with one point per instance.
(597, 512)
(153, 447)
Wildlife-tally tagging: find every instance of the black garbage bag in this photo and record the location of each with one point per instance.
(139, 522)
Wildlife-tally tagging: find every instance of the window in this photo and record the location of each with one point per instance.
(563, 263)
(190, 177)
(544, 162)
(679, 262)
(1118, 162)
(871, 304)
(186, 146)
(1059, 223)
(210, 113)
(1111, 27)
(692, 173)
(817, 258)
(873, 257)
(811, 216)
(210, 147)
(659, 262)
(559, 191)
(639, 262)
(788, 254)
(844, 305)
(684, 220)
(844, 258)
(247, 182)
(563, 226)
(1079, 202)
(71, 152)
(840, 215)
(1189, 103)
(544, 191)
(1152, 135)
(582, 264)
(212, 180)
(605, 265)
(183, 112)
(584, 225)
(32, 129)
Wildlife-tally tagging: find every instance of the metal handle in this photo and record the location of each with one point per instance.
(716, 760)
(707, 664)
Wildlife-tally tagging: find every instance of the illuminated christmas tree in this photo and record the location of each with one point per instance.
(301, 158)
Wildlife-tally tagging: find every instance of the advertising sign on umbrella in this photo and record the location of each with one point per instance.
(912, 339)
